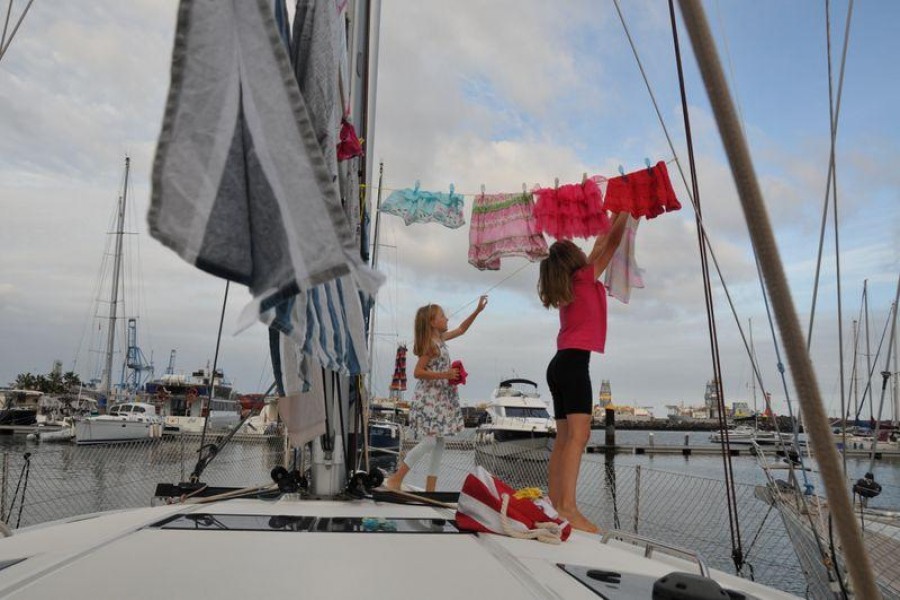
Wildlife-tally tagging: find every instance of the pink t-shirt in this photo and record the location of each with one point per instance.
(582, 322)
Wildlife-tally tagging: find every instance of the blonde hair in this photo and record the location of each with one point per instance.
(423, 340)
(555, 280)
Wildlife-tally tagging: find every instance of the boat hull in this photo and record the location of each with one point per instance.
(100, 430)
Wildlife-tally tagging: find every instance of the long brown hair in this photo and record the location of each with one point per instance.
(424, 332)
(555, 280)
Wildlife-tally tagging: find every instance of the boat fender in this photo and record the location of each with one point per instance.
(867, 487)
(688, 586)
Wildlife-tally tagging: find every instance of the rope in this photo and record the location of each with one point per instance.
(247, 491)
(730, 492)
(784, 386)
(776, 282)
(496, 285)
(548, 532)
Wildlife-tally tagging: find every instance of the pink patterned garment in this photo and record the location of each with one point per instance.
(503, 225)
(571, 210)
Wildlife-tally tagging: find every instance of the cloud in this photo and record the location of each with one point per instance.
(497, 94)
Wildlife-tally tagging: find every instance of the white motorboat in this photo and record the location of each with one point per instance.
(184, 402)
(517, 424)
(125, 422)
(745, 434)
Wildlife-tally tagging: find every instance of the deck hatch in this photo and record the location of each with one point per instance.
(299, 524)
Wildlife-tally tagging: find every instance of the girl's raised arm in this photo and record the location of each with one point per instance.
(464, 326)
(605, 245)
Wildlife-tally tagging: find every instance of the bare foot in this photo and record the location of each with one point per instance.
(579, 521)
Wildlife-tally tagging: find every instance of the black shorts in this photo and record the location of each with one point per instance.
(569, 381)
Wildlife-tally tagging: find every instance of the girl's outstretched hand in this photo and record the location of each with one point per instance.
(482, 302)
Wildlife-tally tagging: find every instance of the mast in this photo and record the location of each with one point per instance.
(114, 291)
(855, 367)
(753, 374)
(896, 405)
(868, 349)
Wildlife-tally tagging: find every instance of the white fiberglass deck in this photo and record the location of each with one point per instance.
(119, 555)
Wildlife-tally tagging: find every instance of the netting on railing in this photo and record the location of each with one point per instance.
(682, 510)
(70, 480)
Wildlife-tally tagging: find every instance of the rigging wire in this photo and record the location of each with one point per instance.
(763, 238)
(4, 41)
(202, 459)
(834, 195)
(886, 373)
(868, 388)
(730, 491)
(835, 112)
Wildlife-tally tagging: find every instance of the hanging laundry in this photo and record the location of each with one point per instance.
(623, 272)
(398, 382)
(316, 60)
(240, 186)
(350, 146)
(571, 210)
(418, 206)
(283, 21)
(504, 225)
(302, 407)
(643, 193)
(326, 321)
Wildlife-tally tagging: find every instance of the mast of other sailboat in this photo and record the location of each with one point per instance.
(114, 289)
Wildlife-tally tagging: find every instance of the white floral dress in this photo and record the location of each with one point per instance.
(435, 407)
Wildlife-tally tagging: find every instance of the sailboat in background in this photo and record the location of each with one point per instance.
(807, 516)
(129, 420)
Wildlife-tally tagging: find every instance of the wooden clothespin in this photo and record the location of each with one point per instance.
(482, 189)
(556, 183)
(647, 162)
(583, 178)
(622, 172)
(524, 188)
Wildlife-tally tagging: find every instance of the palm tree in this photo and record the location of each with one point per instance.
(71, 380)
(25, 381)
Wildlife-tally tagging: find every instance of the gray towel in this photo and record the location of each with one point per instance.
(240, 186)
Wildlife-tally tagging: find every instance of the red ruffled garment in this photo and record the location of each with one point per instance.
(572, 210)
(643, 193)
(349, 145)
(463, 374)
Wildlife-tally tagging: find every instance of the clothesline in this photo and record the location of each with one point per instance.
(496, 285)
(479, 193)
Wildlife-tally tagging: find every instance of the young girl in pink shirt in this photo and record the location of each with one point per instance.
(568, 281)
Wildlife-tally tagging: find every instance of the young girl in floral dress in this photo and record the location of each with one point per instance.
(435, 410)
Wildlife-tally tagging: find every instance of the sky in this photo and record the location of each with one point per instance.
(495, 94)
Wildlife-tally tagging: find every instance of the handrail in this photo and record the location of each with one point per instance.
(650, 545)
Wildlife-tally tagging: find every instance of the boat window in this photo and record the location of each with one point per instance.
(292, 523)
(529, 413)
